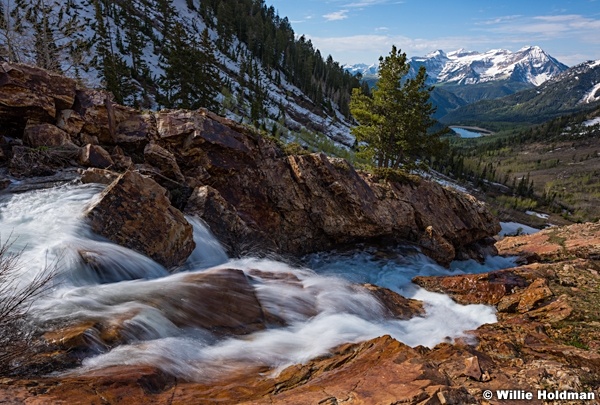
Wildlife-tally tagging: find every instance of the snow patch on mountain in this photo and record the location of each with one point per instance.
(592, 96)
(288, 109)
(592, 122)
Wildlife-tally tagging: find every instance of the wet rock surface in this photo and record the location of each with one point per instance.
(134, 211)
(396, 305)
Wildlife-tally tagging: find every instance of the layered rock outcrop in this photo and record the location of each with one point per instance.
(290, 204)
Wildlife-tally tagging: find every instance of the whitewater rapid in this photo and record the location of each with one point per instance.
(48, 226)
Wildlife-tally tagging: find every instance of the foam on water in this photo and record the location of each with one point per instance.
(319, 306)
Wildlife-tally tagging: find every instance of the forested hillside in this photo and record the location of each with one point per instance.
(237, 57)
(551, 167)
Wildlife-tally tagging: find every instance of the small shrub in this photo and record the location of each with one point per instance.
(341, 164)
(294, 148)
(16, 347)
(396, 176)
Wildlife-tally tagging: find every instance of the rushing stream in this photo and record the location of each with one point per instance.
(320, 303)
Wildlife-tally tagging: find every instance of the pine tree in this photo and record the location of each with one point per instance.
(58, 44)
(208, 70)
(111, 67)
(191, 79)
(394, 121)
(14, 40)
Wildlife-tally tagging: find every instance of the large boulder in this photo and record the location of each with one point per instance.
(95, 156)
(135, 212)
(45, 135)
(313, 202)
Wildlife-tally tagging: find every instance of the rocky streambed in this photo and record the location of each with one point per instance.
(545, 338)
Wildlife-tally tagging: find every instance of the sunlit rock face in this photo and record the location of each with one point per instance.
(313, 202)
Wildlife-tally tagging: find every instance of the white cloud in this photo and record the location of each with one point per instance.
(305, 19)
(546, 27)
(551, 32)
(369, 3)
(368, 48)
(499, 20)
(336, 15)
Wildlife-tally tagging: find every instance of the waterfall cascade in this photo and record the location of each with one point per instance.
(164, 319)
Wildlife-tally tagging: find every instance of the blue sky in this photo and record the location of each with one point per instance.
(355, 31)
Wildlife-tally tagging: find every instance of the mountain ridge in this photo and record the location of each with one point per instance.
(462, 77)
(530, 64)
(574, 90)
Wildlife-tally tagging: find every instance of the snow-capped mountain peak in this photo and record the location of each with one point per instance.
(530, 64)
(439, 54)
(461, 52)
(363, 69)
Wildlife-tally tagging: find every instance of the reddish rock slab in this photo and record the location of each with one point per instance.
(535, 294)
(486, 288)
(556, 243)
(380, 371)
(395, 304)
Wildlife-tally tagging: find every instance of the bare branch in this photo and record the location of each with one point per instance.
(15, 302)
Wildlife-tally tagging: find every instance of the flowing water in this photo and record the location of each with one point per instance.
(318, 306)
